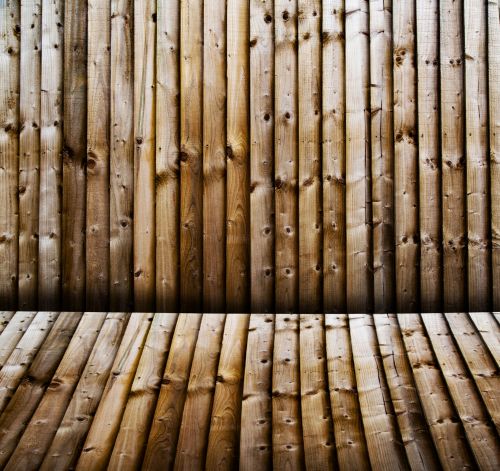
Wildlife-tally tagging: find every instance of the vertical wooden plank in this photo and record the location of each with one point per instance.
(494, 135)
(74, 155)
(382, 152)
(195, 423)
(333, 114)
(98, 96)
(453, 157)
(9, 150)
(261, 156)
(167, 156)
(476, 131)
(121, 156)
(429, 168)
(191, 218)
(51, 146)
(29, 152)
(358, 208)
(405, 158)
(214, 156)
(162, 440)
(310, 207)
(237, 202)
(224, 436)
(350, 439)
(288, 448)
(144, 156)
(285, 155)
(315, 402)
(256, 450)
(43, 425)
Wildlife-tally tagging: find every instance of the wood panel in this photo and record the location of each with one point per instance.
(121, 181)
(239, 391)
(51, 147)
(29, 151)
(335, 156)
(191, 129)
(74, 155)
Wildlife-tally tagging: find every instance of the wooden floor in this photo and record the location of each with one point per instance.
(192, 391)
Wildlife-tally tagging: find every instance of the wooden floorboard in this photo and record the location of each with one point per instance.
(262, 391)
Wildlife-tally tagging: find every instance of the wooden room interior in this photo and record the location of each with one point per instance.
(250, 234)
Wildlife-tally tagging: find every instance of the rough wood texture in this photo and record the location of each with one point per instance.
(476, 131)
(121, 157)
(167, 156)
(74, 155)
(256, 450)
(214, 157)
(212, 391)
(334, 163)
(98, 96)
(191, 132)
(309, 137)
(51, 147)
(162, 441)
(453, 156)
(358, 175)
(335, 156)
(429, 169)
(237, 194)
(382, 150)
(261, 156)
(405, 158)
(144, 156)
(285, 150)
(494, 135)
(10, 29)
(29, 151)
(193, 435)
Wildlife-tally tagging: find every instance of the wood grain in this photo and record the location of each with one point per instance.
(333, 163)
(429, 168)
(191, 132)
(74, 155)
(286, 156)
(51, 147)
(121, 183)
(382, 151)
(358, 175)
(9, 149)
(167, 156)
(237, 154)
(29, 151)
(214, 157)
(261, 156)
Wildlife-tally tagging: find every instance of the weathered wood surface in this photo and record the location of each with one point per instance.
(260, 391)
(250, 156)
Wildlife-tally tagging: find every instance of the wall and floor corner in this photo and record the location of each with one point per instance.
(269, 158)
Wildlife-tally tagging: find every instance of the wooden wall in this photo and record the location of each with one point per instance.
(263, 155)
